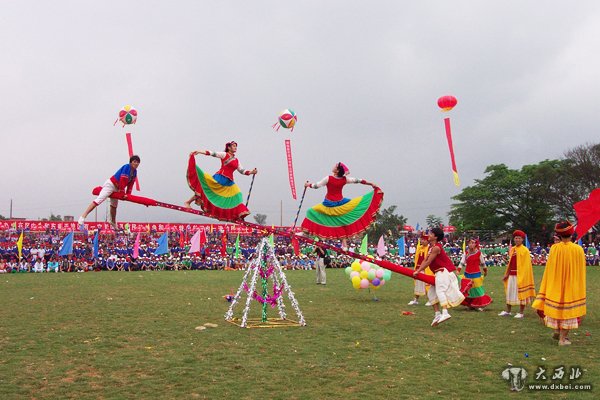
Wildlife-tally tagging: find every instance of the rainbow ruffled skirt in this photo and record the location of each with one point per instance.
(219, 198)
(343, 219)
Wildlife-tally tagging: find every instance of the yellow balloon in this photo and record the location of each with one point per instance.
(356, 266)
(364, 274)
(356, 285)
(355, 280)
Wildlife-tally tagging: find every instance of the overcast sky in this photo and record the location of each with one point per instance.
(363, 77)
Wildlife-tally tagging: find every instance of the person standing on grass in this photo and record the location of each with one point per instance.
(561, 301)
(518, 277)
(445, 293)
(420, 254)
(473, 261)
(320, 265)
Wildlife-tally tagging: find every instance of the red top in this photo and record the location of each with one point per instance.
(441, 261)
(228, 165)
(473, 261)
(512, 265)
(334, 188)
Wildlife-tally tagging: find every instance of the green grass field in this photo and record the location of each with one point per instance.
(116, 335)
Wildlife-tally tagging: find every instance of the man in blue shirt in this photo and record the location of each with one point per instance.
(121, 181)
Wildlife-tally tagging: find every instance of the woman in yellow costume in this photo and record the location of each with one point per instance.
(561, 300)
(518, 278)
(420, 255)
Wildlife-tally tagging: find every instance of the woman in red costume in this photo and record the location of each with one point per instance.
(218, 195)
(446, 291)
(339, 217)
(477, 298)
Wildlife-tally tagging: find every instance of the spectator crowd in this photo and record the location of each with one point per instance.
(40, 253)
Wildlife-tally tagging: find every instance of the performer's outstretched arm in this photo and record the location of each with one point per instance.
(317, 185)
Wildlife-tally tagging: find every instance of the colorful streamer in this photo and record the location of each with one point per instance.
(130, 149)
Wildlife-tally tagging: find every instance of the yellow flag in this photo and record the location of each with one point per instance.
(464, 245)
(20, 245)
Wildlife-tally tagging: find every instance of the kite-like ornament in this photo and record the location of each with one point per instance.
(447, 103)
(127, 116)
(588, 212)
(287, 119)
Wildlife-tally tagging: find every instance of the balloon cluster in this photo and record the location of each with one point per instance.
(364, 274)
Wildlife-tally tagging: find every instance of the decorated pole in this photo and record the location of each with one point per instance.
(447, 103)
(128, 116)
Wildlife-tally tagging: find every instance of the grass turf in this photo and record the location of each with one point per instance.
(132, 335)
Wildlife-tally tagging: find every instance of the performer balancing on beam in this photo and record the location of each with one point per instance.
(121, 181)
(218, 195)
(338, 217)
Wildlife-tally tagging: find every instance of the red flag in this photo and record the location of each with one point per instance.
(588, 212)
(181, 239)
(296, 246)
(202, 237)
(224, 244)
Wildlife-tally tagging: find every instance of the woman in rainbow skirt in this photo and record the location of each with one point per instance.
(218, 195)
(338, 217)
(472, 260)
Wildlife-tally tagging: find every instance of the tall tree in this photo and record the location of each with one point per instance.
(433, 221)
(506, 199)
(260, 219)
(388, 223)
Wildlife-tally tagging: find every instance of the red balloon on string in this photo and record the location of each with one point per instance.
(447, 103)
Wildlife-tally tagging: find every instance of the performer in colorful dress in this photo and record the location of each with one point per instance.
(518, 278)
(338, 217)
(446, 292)
(562, 296)
(472, 260)
(421, 288)
(121, 181)
(218, 195)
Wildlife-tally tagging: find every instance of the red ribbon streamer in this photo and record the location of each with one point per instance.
(451, 148)
(130, 148)
(288, 153)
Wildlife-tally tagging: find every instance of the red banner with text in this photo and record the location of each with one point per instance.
(288, 153)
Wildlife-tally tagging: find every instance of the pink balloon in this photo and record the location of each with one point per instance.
(364, 283)
(353, 274)
(379, 273)
(365, 266)
(382, 282)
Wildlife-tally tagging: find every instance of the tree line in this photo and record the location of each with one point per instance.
(532, 198)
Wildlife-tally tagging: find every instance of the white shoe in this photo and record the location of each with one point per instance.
(413, 303)
(81, 221)
(428, 304)
(519, 316)
(504, 314)
(444, 317)
(436, 320)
